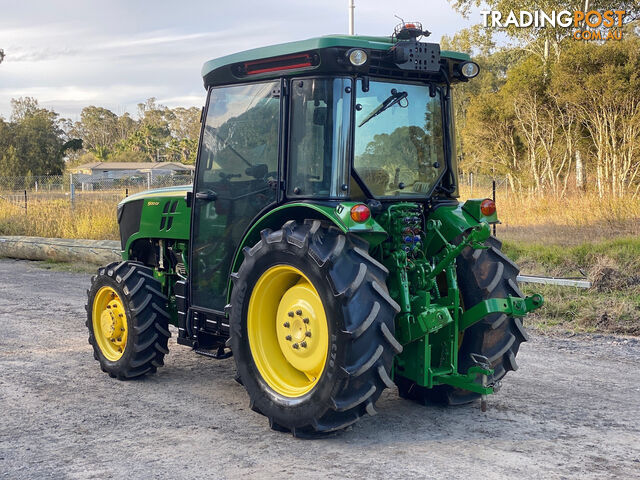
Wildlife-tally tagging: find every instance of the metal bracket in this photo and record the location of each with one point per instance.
(219, 355)
(514, 306)
(468, 381)
(409, 329)
(483, 363)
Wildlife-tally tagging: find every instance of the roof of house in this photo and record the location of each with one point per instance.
(133, 166)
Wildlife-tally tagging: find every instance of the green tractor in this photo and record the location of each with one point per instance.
(321, 243)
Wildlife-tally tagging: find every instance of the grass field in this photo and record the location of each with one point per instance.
(612, 305)
(573, 220)
(93, 218)
(581, 236)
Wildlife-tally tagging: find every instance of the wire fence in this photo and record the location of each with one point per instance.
(473, 185)
(79, 187)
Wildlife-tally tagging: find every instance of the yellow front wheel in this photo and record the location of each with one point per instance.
(109, 320)
(127, 320)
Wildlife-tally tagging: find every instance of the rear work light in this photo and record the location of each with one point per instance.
(275, 64)
(488, 207)
(360, 213)
(357, 57)
(469, 69)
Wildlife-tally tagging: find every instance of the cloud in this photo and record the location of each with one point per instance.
(183, 101)
(155, 39)
(115, 54)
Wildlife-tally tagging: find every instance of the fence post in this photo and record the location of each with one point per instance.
(471, 184)
(72, 188)
(126, 192)
(149, 180)
(493, 193)
(25, 203)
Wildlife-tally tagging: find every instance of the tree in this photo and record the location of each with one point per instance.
(152, 134)
(184, 125)
(159, 134)
(32, 141)
(544, 121)
(546, 43)
(600, 84)
(10, 163)
(98, 129)
(2, 55)
(22, 108)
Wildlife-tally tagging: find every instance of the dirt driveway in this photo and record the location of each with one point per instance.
(572, 410)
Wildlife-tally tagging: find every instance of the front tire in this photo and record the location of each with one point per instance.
(127, 320)
(314, 272)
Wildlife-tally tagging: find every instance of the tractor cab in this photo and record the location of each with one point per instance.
(329, 119)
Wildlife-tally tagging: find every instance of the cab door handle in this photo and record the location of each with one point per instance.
(207, 195)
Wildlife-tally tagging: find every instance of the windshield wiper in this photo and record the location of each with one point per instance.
(389, 102)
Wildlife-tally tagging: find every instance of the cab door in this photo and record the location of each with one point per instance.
(236, 178)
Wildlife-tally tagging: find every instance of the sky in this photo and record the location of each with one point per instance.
(116, 54)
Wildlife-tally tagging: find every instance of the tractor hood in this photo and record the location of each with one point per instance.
(179, 191)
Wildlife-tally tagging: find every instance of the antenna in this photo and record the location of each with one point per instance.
(351, 12)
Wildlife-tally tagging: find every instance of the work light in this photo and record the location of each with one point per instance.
(470, 69)
(357, 57)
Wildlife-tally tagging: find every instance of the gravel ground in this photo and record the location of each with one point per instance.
(571, 410)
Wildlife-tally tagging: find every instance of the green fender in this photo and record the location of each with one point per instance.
(457, 219)
(339, 214)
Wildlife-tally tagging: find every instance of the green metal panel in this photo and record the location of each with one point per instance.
(179, 191)
(177, 217)
(327, 41)
(472, 207)
(339, 215)
(455, 220)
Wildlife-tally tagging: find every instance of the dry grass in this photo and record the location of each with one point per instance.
(576, 310)
(87, 218)
(612, 305)
(572, 220)
(580, 235)
(571, 237)
(525, 219)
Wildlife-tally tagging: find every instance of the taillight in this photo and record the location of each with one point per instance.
(286, 62)
(488, 207)
(360, 213)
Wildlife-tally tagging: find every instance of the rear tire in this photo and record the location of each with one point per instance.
(137, 308)
(360, 321)
(482, 274)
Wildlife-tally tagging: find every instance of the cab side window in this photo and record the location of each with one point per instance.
(239, 163)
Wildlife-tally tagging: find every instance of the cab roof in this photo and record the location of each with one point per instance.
(311, 44)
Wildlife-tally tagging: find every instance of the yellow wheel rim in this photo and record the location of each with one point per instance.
(109, 323)
(287, 330)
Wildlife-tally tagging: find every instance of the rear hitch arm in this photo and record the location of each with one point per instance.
(514, 306)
